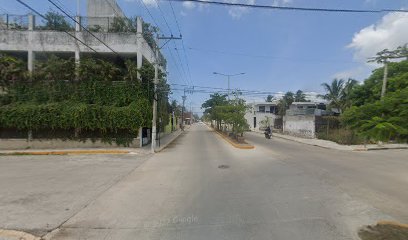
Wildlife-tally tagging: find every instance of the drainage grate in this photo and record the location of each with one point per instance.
(223, 166)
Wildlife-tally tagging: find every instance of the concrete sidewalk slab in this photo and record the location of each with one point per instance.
(333, 145)
(167, 139)
(16, 235)
(72, 151)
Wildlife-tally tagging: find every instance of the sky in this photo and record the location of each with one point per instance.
(277, 50)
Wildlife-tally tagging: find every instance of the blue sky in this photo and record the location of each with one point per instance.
(278, 50)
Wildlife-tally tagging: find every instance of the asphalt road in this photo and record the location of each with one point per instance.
(279, 190)
(268, 193)
(379, 178)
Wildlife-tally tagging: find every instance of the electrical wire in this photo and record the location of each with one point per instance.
(233, 4)
(164, 18)
(93, 35)
(265, 56)
(42, 16)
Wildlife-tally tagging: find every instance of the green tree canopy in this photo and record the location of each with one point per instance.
(300, 96)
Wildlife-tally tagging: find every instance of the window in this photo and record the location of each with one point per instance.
(254, 122)
(261, 108)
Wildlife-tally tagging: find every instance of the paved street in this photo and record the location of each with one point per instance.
(279, 190)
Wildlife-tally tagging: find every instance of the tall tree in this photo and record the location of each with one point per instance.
(216, 99)
(285, 102)
(300, 96)
(334, 93)
(56, 21)
(269, 98)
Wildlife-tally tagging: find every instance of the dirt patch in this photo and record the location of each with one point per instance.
(384, 231)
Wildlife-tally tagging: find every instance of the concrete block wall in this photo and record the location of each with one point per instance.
(299, 126)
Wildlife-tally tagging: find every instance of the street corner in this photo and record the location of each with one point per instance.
(16, 235)
(384, 230)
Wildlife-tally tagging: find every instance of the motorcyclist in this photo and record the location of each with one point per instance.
(268, 131)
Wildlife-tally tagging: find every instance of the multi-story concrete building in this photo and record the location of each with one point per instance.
(26, 37)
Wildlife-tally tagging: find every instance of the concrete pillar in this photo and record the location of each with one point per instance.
(30, 60)
(139, 37)
(77, 63)
(141, 137)
(31, 22)
(78, 23)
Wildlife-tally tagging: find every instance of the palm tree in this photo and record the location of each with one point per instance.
(348, 88)
(334, 93)
(300, 96)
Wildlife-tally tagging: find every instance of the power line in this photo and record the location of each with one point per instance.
(150, 14)
(219, 89)
(265, 56)
(230, 4)
(175, 18)
(181, 63)
(182, 41)
(70, 34)
(176, 65)
(164, 18)
(106, 45)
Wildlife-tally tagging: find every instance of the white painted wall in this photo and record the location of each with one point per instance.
(299, 126)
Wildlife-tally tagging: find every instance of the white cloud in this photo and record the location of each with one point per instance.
(389, 33)
(188, 5)
(149, 3)
(355, 73)
(235, 12)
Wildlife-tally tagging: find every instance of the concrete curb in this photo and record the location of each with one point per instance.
(403, 225)
(356, 148)
(236, 145)
(161, 148)
(16, 235)
(64, 152)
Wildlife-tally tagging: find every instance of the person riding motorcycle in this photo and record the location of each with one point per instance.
(268, 132)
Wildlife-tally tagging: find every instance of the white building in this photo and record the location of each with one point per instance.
(27, 38)
(261, 114)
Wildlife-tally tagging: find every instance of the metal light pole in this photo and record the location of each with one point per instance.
(228, 77)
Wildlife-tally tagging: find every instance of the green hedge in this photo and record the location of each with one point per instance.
(69, 115)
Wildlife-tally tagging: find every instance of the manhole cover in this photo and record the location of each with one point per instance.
(223, 166)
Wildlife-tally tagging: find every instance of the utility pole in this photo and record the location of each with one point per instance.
(383, 57)
(156, 81)
(384, 84)
(182, 109)
(78, 7)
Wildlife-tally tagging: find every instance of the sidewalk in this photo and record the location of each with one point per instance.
(165, 140)
(333, 145)
(73, 151)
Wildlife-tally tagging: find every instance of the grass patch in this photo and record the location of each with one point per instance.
(384, 231)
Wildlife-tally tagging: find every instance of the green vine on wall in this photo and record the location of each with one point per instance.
(105, 98)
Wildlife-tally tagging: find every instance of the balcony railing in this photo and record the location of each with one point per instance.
(13, 22)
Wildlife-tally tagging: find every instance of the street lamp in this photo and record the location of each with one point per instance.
(228, 76)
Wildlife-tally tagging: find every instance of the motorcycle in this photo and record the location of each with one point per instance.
(268, 135)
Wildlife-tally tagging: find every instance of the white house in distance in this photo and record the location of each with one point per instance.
(259, 112)
(307, 108)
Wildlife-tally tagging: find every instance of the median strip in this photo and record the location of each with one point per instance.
(384, 230)
(236, 145)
